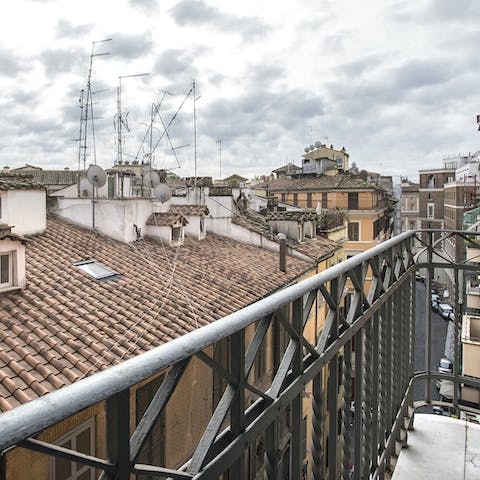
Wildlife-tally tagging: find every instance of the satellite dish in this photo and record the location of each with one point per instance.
(151, 179)
(162, 192)
(96, 175)
(312, 147)
(307, 149)
(318, 144)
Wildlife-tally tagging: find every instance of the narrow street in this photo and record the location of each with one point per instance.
(439, 332)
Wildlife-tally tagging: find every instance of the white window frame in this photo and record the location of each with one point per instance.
(430, 206)
(72, 436)
(359, 231)
(11, 270)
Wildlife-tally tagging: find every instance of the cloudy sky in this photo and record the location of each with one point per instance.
(396, 82)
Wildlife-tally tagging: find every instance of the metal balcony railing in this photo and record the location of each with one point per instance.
(370, 308)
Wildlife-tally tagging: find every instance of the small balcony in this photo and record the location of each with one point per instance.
(343, 397)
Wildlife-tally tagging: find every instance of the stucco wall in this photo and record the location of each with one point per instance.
(113, 217)
(26, 210)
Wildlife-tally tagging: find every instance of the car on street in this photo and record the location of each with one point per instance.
(444, 366)
(434, 301)
(444, 309)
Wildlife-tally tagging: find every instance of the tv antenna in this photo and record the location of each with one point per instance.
(97, 178)
(220, 143)
(195, 98)
(86, 114)
(120, 118)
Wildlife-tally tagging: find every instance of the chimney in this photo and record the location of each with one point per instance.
(283, 252)
(6, 168)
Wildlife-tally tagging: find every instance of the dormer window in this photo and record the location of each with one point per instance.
(6, 270)
(168, 227)
(12, 260)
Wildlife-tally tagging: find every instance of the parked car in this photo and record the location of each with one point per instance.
(419, 278)
(444, 366)
(444, 309)
(434, 301)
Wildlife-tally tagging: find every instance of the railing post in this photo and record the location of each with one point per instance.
(296, 463)
(428, 317)
(346, 411)
(237, 411)
(118, 435)
(456, 350)
(358, 421)
(271, 448)
(317, 426)
(375, 389)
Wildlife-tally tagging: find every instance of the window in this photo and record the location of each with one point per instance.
(324, 200)
(353, 200)
(6, 269)
(177, 233)
(295, 199)
(202, 224)
(82, 440)
(283, 196)
(354, 231)
(430, 210)
(97, 270)
(309, 200)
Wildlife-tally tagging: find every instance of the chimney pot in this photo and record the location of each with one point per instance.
(283, 252)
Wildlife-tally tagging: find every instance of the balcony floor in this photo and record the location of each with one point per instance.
(440, 448)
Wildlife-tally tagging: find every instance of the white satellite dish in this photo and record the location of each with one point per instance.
(96, 175)
(162, 192)
(151, 179)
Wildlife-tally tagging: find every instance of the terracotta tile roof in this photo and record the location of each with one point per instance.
(315, 248)
(293, 215)
(253, 221)
(320, 183)
(166, 219)
(18, 182)
(6, 232)
(189, 209)
(65, 325)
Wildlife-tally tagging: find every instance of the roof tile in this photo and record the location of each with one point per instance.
(64, 326)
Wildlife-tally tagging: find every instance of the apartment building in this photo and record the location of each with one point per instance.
(368, 206)
(410, 205)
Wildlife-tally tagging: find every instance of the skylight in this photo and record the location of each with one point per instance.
(97, 270)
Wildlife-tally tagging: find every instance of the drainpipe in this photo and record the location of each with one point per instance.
(283, 252)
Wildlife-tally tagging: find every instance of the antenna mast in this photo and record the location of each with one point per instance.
(220, 142)
(86, 102)
(194, 134)
(120, 119)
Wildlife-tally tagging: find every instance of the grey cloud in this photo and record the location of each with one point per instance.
(259, 111)
(124, 45)
(66, 29)
(62, 60)
(358, 67)
(9, 65)
(147, 7)
(420, 73)
(446, 10)
(197, 12)
(173, 62)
